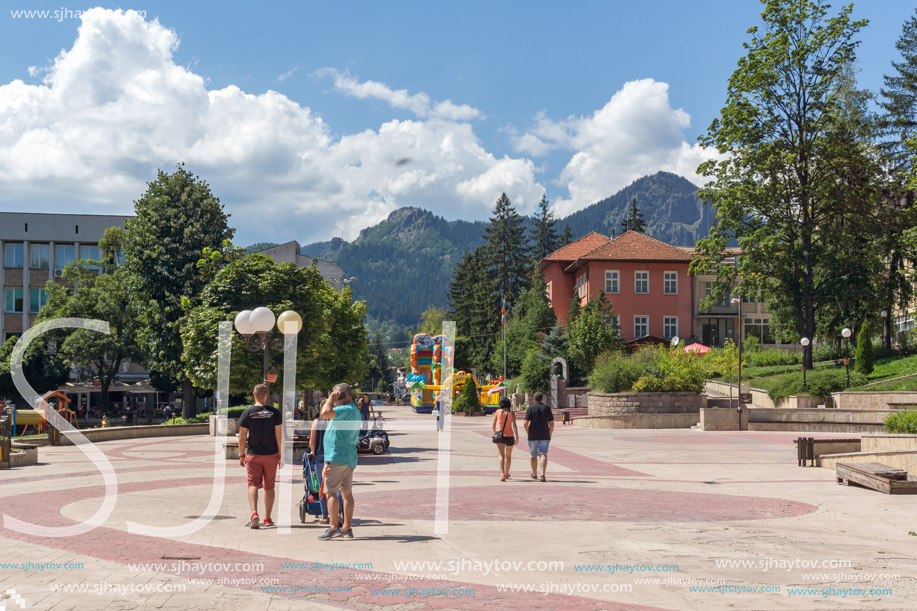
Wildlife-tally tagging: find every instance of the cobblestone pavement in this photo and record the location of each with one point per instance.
(629, 519)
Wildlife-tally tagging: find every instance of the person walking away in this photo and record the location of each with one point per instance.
(505, 423)
(340, 458)
(539, 425)
(260, 432)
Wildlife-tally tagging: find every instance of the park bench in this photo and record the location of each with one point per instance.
(876, 476)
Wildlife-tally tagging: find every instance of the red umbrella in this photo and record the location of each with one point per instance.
(697, 349)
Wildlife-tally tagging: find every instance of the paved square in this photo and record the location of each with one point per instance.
(629, 519)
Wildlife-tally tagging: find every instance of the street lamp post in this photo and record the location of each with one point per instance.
(846, 333)
(741, 328)
(257, 330)
(805, 342)
(886, 337)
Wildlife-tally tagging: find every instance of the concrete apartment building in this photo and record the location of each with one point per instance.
(290, 253)
(35, 247)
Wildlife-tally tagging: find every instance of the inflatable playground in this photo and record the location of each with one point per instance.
(431, 370)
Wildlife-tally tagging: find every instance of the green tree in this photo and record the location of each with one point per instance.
(43, 369)
(536, 371)
(776, 187)
(526, 323)
(331, 346)
(468, 401)
(566, 236)
(378, 373)
(865, 360)
(897, 124)
(505, 251)
(88, 294)
(593, 332)
(477, 310)
(544, 235)
(176, 219)
(431, 321)
(634, 220)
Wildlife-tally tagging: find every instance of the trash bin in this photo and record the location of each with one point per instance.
(565, 417)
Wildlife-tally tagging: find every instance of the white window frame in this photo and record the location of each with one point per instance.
(666, 280)
(10, 255)
(35, 262)
(42, 299)
(581, 285)
(636, 281)
(666, 322)
(6, 299)
(613, 276)
(646, 319)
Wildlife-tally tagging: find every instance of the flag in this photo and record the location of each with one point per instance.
(503, 311)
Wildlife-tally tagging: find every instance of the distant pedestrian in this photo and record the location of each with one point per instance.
(505, 424)
(261, 426)
(366, 406)
(539, 425)
(340, 458)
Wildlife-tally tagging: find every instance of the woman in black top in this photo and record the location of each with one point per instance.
(505, 421)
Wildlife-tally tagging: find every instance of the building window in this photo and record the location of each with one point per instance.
(760, 329)
(14, 255)
(547, 291)
(63, 255)
(641, 283)
(614, 323)
(581, 285)
(669, 326)
(641, 326)
(726, 300)
(37, 300)
(39, 256)
(9, 335)
(90, 252)
(670, 283)
(611, 281)
(13, 300)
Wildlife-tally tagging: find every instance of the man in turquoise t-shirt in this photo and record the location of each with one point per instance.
(340, 457)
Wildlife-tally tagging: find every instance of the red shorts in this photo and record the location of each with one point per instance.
(262, 470)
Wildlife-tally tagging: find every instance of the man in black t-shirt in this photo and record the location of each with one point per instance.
(261, 426)
(539, 424)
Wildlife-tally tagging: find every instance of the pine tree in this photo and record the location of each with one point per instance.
(565, 237)
(544, 237)
(634, 220)
(507, 258)
(864, 355)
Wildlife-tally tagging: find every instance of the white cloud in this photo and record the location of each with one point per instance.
(636, 133)
(418, 103)
(288, 74)
(116, 107)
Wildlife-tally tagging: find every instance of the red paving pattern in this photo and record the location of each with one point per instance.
(118, 546)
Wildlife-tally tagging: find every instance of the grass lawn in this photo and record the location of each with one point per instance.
(766, 378)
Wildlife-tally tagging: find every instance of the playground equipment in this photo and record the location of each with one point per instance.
(430, 357)
(26, 418)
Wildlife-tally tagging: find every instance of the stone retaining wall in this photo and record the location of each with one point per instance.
(27, 457)
(638, 421)
(872, 400)
(618, 404)
(760, 398)
(889, 441)
(136, 432)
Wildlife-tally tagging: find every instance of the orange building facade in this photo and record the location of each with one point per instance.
(646, 281)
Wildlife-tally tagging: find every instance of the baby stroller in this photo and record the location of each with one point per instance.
(310, 503)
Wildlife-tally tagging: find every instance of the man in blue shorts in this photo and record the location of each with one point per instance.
(539, 424)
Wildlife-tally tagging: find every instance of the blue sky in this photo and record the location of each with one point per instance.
(572, 99)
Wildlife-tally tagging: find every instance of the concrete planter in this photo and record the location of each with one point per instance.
(227, 428)
(135, 432)
(723, 419)
(620, 404)
(26, 457)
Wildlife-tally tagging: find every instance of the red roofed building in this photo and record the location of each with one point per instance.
(646, 281)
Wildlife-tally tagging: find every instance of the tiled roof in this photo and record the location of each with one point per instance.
(635, 246)
(576, 249)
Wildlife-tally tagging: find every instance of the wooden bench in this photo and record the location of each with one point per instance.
(876, 476)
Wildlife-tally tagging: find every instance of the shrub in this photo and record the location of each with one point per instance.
(772, 357)
(827, 352)
(865, 359)
(664, 384)
(615, 372)
(468, 401)
(820, 383)
(902, 422)
(751, 345)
